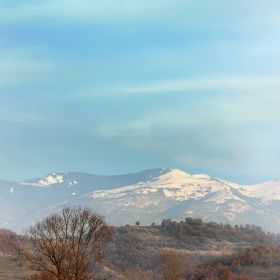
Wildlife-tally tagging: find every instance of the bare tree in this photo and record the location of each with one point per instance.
(66, 245)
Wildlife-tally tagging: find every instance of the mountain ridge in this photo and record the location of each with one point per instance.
(148, 196)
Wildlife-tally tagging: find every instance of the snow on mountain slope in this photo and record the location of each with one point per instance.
(48, 180)
(267, 191)
(51, 179)
(148, 196)
(176, 185)
(90, 181)
(207, 197)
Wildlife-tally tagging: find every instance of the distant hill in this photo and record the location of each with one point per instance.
(148, 196)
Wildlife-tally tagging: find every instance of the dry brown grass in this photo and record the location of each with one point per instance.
(11, 268)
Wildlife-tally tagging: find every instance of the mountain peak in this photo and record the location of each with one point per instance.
(149, 196)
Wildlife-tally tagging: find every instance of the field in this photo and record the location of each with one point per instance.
(12, 268)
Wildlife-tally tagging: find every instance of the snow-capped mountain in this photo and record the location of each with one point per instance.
(148, 196)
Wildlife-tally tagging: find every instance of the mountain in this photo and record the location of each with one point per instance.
(148, 196)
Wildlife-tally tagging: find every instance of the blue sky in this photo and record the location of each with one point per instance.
(113, 87)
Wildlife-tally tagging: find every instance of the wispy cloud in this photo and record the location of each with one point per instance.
(106, 11)
(31, 65)
(132, 129)
(182, 13)
(228, 83)
(241, 86)
(26, 65)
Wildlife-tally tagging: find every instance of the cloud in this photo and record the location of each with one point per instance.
(227, 83)
(33, 65)
(204, 145)
(19, 117)
(133, 129)
(105, 11)
(241, 88)
(26, 65)
(177, 13)
(218, 131)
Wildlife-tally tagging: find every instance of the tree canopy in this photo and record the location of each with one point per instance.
(66, 245)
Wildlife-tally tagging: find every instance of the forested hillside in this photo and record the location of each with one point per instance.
(11, 264)
(9, 242)
(197, 242)
(198, 250)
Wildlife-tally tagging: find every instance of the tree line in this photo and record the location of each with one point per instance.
(73, 245)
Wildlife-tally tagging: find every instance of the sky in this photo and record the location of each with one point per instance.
(114, 87)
